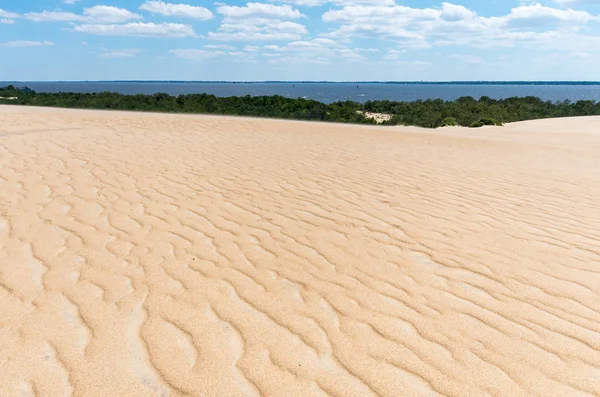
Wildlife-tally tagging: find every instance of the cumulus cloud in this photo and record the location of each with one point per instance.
(314, 3)
(279, 31)
(546, 26)
(320, 50)
(542, 15)
(259, 22)
(114, 21)
(138, 29)
(259, 10)
(96, 14)
(53, 16)
(108, 14)
(177, 10)
(7, 18)
(572, 3)
(6, 14)
(452, 24)
(453, 12)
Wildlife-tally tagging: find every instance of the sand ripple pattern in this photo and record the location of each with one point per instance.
(164, 255)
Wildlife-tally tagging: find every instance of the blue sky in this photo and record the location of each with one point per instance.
(333, 40)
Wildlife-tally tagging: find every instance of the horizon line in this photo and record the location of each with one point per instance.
(491, 82)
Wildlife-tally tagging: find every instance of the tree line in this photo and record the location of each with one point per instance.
(430, 113)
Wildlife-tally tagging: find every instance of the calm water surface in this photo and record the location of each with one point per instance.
(332, 92)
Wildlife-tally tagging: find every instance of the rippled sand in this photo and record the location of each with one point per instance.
(170, 255)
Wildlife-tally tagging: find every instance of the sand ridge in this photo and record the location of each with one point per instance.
(171, 255)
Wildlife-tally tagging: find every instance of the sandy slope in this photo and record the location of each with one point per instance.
(147, 255)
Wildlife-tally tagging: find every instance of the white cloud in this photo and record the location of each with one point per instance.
(453, 12)
(96, 14)
(177, 10)
(259, 10)
(53, 16)
(70, 1)
(571, 3)
(26, 43)
(453, 25)
(7, 18)
(268, 30)
(544, 15)
(322, 50)
(313, 3)
(397, 22)
(110, 21)
(376, 13)
(258, 22)
(6, 14)
(544, 27)
(108, 14)
(193, 54)
(138, 29)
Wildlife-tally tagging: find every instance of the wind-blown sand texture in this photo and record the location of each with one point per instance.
(171, 255)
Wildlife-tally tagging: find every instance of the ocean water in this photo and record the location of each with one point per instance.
(332, 92)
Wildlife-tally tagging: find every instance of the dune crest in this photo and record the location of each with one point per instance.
(172, 255)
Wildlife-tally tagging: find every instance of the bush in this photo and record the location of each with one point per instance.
(431, 113)
(449, 122)
(485, 121)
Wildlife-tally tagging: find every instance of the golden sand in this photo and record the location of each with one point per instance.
(170, 255)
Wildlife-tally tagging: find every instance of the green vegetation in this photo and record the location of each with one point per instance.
(8, 92)
(467, 111)
(449, 122)
(485, 121)
(261, 106)
(431, 113)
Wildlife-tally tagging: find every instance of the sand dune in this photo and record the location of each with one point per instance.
(170, 255)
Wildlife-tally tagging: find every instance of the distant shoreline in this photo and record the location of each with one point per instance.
(310, 82)
(432, 113)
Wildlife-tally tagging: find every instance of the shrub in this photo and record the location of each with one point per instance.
(485, 121)
(464, 111)
(449, 122)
